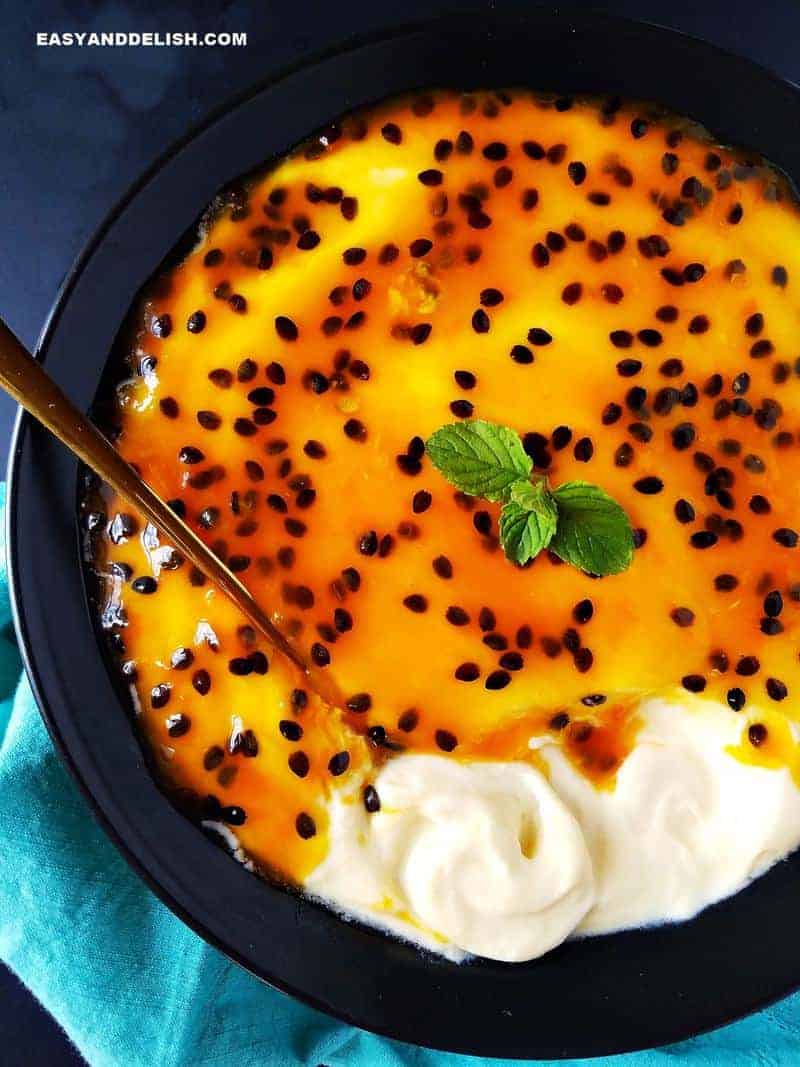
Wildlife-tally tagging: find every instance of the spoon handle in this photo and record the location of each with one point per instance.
(27, 382)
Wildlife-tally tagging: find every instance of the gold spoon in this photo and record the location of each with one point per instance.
(23, 377)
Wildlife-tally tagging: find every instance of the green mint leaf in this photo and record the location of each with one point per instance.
(593, 533)
(532, 495)
(528, 521)
(479, 458)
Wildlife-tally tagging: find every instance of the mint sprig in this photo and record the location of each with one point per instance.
(578, 521)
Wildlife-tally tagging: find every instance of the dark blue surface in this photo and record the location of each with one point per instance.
(77, 126)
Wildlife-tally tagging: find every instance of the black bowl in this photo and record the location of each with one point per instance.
(601, 995)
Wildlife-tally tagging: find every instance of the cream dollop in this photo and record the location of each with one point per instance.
(686, 825)
(483, 856)
(495, 860)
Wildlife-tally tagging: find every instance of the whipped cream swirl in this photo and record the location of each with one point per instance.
(482, 855)
(499, 860)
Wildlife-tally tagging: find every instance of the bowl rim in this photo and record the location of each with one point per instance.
(28, 616)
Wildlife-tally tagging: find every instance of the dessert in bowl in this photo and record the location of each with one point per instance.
(530, 745)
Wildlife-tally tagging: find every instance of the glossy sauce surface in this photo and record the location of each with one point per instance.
(607, 283)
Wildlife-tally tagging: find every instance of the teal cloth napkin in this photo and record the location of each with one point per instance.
(131, 985)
